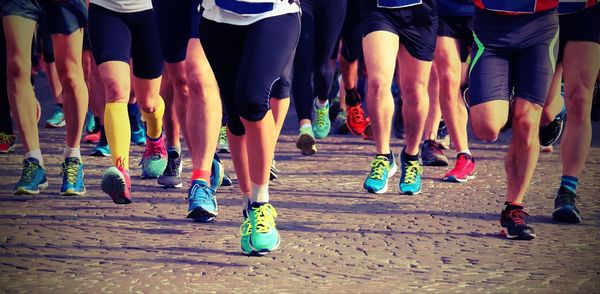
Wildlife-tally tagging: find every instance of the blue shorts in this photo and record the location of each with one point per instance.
(177, 23)
(579, 27)
(24, 8)
(459, 28)
(64, 17)
(513, 54)
(416, 26)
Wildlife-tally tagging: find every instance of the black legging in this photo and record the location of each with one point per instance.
(5, 120)
(322, 22)
(248, 61)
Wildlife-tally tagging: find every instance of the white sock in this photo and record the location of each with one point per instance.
(260, 193)
(72, 152)
(245, 200)
(37, 154)
(467, 151)
(306, 126)
(321, 105)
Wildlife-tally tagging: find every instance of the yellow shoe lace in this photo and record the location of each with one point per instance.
(322, 117)
(70, 170)
(379, 165)
(246, 228)
(265, 217)
(413, 168)
(6, 138)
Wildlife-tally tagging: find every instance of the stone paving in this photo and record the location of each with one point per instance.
(335, 236)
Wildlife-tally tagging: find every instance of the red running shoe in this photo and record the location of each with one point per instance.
(463, 170)
(7, 142)
(92, 138)
(356, 120)
(116, 182)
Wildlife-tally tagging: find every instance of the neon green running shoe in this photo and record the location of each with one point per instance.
(264, 237)
(381, 171)
(321, 124)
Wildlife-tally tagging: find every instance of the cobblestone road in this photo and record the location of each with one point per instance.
(335, 237)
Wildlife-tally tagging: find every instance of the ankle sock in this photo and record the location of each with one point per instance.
(260, 193)
(37, 154)
(569, 182)
(389, 156)
(72, 152)
(320, 104)
(409, 157)
(198, 174)
(352, 97)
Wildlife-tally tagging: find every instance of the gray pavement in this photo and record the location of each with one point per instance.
(335, 236)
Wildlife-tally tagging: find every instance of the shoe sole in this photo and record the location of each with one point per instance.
(99, 154)
(73, 193)
(520, 237)
(306, 144)
(454, 179)
(221, 174)
(566, 216)
(265, 251)
(31, 192)
(113, 184)
(222, 150)
(436, 163)
(167, 185)
(53, 126)
(202, 215)
(411, 193)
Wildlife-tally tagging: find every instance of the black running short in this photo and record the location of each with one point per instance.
(459, 28)
(581, 26)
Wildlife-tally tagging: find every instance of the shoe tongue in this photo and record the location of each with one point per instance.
(34, 160)
(257, 204)
(200, 182)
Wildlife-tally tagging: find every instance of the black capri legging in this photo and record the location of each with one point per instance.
(120, 36)
(248, 61)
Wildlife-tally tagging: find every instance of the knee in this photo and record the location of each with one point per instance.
(17, 71)
(483, 128)
(115, 91)
(415, 93)
(526, 126)
(578, 104)
(379, 85)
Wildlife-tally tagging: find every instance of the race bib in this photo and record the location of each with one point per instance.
(246, 7)
(398, 3)
(571, 6)
(523, 6)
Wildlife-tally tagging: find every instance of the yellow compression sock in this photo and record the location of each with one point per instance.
(118, 131)
(154, 120)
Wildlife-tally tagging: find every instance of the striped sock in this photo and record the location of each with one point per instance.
(569, 182)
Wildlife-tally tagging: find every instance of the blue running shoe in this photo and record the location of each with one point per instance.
(410, 181)
(90, 123)
(32, 179)
(57, 120)
(217, 173)
(101, 149)
(138, 131)
(381, 171)
(321, 125)
(264, 237)
(72, 173)
(202, 202)
(565, 210)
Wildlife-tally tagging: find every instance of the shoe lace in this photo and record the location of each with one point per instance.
(378, 167)
(70, 171)
(6, 138)
(246, 228)
(265, 217)
(412, 169)
(356, 114)
(223, 136)
(434, 147)
(153, 149)
(28, 169)
(566, 197)
(518, 216)
(322, 117)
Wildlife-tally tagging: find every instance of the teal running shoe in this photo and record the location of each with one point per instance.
(217, 173)
(306, 141)
(202, 202)
(155, 159)
(138, 132)
(57, 120)
(245, 232)
(33, 178)
(223, 143)
(381, 171)
(410, 180)
(321, 124)
(72, 173)
(264, 237)
(102, 149)
(90, 123)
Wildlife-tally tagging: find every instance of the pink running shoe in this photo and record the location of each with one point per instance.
(463, 170)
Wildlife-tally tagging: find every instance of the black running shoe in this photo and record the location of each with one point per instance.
(226, 180)
(171, 177)
(432, 155)
(273, 173)
(513, 219)
(551, 132)
(565, 210)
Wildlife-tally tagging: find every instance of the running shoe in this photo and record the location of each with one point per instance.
(356, 120)
(443, 137)
(226, 180)
(92, 138)
(551, 132)
(368, 134)
(334, 108)
(217, 173)
(171, 177)
(57, 120)
(72, 173)
(223, 144)
(381, 171)
(7, 142)
(245, 232)
(339, 124)
(155, 159)
(273, 171)
(33, 178)
(565, 210)
(512, 219)
(463, 170)
(202, 202)
(101, 149)
(138, 132)
(432, 155)
(90, 123)
(306, 141)
(116, 182)
(321, 124)
(410, 180)
(264, 236)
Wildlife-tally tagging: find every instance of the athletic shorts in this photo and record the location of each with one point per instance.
(513, 52)
(64, 17)
(24, 8)
(581, 26)
(119, 36)
(459, 28)
(416, 26)
(176, 21)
